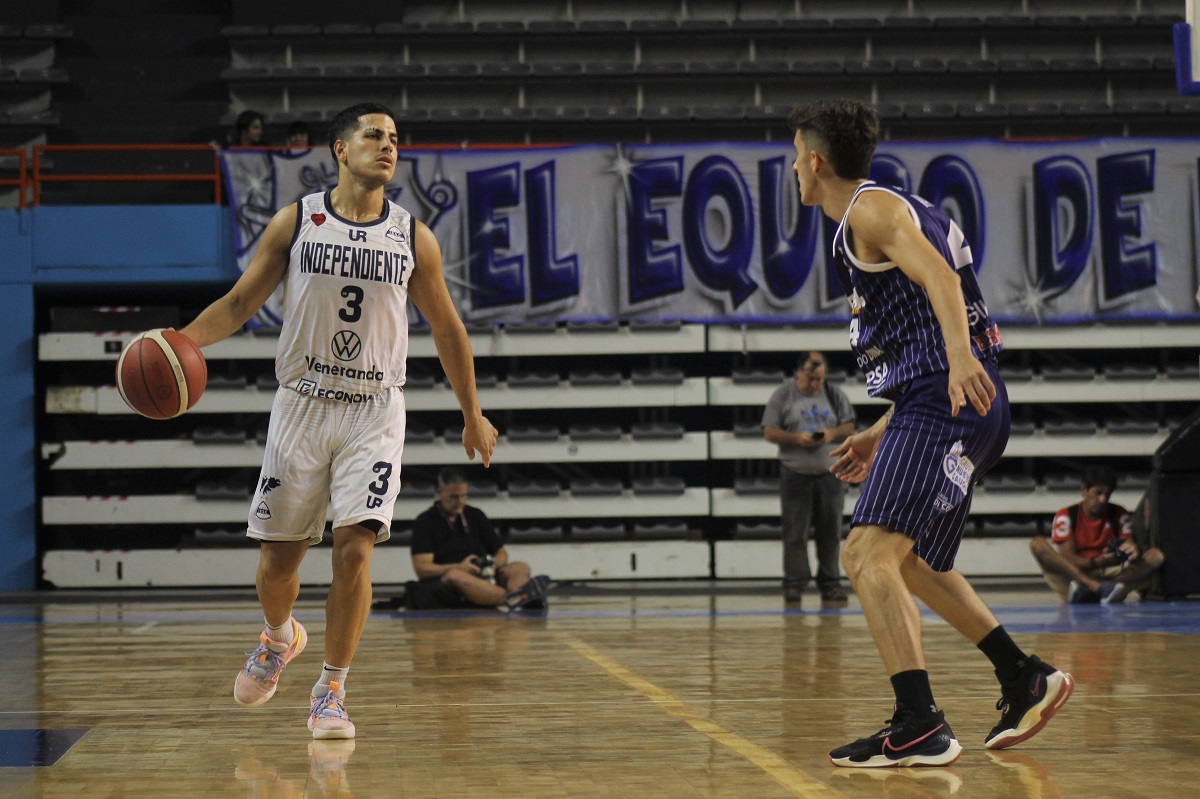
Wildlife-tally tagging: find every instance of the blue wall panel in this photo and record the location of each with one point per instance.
(131, 243)
(18, 539)
(15, 263)
(83, 245)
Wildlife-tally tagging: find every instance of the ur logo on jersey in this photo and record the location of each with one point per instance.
(346, 345)
(958, 467)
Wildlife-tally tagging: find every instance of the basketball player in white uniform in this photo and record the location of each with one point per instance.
(351, 260)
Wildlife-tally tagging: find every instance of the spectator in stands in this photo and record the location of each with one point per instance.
(299, 135)
(460, 561)
(1092, 555)
(336, 434)
(250, 129)
(922, 336)
(806, 417)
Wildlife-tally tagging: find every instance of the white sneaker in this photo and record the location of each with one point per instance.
(327, 718)
(259, 677)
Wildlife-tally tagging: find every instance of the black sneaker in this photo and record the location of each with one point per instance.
(531, 596)
(1028, 702)
(906, 741)
(834, 595)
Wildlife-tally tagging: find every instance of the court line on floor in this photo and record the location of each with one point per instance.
(174, 710)
(783, 772)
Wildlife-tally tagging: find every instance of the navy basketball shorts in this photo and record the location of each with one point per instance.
(927, 463)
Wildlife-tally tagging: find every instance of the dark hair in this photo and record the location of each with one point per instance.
(299, 126)
(847, 130)
(1100, 476)
(346, 121)
(805, 358)
(246, 119)
(449, 476)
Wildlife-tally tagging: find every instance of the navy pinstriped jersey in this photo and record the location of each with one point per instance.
(893, 331)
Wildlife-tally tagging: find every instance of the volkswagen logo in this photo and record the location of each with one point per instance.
(346, 345)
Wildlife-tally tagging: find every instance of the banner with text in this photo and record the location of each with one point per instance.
(1060, 231)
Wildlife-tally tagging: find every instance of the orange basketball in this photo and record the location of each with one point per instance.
(161, 374)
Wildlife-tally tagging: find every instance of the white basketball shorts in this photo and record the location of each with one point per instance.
(328, 459)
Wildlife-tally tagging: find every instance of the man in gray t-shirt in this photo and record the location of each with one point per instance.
(806, 417)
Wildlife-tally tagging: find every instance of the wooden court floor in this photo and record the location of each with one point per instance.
(610, 694)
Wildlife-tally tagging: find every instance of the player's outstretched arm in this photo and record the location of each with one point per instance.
(427, 287)
(227, 315)
(882, 222)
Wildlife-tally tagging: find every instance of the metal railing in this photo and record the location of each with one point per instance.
(21, 181)
(40, 177)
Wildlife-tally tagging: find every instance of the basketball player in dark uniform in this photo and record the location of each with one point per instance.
(922, 337)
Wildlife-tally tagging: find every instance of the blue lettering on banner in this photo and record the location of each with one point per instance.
(494, 281)
(722, 269)
(888, 170)
(550, 278)
(787, 258)
(1125, 269)
(1061, 184)
(653, 272)
(950, 184)
(715, 232)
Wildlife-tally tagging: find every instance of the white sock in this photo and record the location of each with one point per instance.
(330, 674)
(285, 633)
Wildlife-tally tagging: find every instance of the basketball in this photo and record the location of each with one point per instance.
(161, 374)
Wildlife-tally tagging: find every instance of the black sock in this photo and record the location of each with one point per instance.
(913, 692)
(1006, 656)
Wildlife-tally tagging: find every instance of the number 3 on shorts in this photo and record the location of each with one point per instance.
(379, 487)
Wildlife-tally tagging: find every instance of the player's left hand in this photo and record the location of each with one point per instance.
(969, 382)
(479, 436)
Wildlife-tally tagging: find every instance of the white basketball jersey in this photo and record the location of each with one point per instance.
(345, 326)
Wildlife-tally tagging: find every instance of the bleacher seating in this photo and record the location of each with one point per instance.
(31, 73)
(1113, 67)
(601, 472)
(534, 533)
(598, 531)
(645, 442)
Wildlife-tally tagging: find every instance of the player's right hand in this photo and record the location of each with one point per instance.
(969, 382)
(854, 456)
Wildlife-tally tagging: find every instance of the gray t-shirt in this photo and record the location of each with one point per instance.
(794, 412)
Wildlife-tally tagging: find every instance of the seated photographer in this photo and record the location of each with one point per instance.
(460, 561)
(1092, 555)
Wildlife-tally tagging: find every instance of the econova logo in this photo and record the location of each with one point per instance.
(346, 345)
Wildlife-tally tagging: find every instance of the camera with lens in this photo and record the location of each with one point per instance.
(486, 566)
(1114, 548)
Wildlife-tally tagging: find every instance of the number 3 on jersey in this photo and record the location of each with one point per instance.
(353, 310)
(379, 487)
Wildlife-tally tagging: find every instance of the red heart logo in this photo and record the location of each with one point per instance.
(318, 219)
